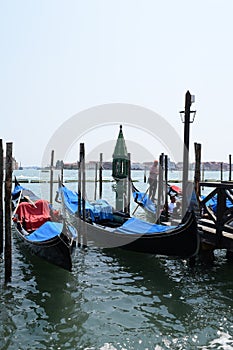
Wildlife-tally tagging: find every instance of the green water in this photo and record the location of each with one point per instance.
(114, 299)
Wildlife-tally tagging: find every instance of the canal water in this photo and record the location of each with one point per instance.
(114, 299)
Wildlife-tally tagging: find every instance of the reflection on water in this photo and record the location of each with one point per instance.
(129, 300)
(114, 299)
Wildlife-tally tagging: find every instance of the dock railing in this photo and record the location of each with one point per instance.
(217, 211)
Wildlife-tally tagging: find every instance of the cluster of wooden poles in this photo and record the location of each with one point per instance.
(98, 172)
(5, 220)
(5, 192)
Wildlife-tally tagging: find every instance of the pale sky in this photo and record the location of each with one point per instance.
(60, 57)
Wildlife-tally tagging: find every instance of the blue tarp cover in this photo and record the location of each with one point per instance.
(17, 189)
(47, 231)
(71, 199)
(98, 210)
(213, 203)
(134, 225)
(25, 192)
(141, 197)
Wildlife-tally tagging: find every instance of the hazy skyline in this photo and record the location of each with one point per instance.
(59, 58)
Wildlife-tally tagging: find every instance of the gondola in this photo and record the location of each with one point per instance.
(41, 228)
(107, 228)
(142, 198)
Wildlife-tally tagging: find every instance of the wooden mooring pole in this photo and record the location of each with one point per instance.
(197, 174)
(229, 167)
(129, 190)
(83, 191)
(221, 171)
(202, 174)
(79, 201)
(160, 189)
(101, 175)
(144, 179)
(166, 185)
(1, 197)
(62, 172)
(51, 177)
(8, 236)
(96, 170)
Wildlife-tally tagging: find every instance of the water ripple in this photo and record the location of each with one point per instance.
(116, 300)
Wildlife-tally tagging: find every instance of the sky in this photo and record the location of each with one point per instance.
(62, 57)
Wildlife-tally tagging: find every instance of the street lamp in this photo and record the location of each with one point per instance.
(192, 116)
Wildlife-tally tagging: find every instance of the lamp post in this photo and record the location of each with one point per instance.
(187, 117)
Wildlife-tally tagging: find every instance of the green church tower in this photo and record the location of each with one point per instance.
(120, 170)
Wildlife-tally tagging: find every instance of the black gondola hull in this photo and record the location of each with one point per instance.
(57, 250)
(182, 241)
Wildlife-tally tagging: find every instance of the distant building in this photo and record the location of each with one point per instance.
(137, 166)
(208, 166)
(71, 166)
(107, 165)
(147, 165)
(15, 164)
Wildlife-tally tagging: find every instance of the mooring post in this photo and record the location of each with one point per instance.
(100, 175)
(197, 175)
(162, 179)
(79, 186)
(83, 184)
(1, 197)
(166, 185)
(203, 174)
(229, 167)
(51, 177)
(144, 174)
(221, 208)
(83, 190)
(62, 172)
(221, 171)
(8, 190)
(160, 189)
(78, 213)
(128, 198)
(96, 171)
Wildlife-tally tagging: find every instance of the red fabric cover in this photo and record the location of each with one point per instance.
(32, 218)
(176, 189)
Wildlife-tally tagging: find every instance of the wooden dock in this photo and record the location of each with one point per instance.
(216, 221)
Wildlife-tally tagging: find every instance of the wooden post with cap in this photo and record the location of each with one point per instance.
(1, 197)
